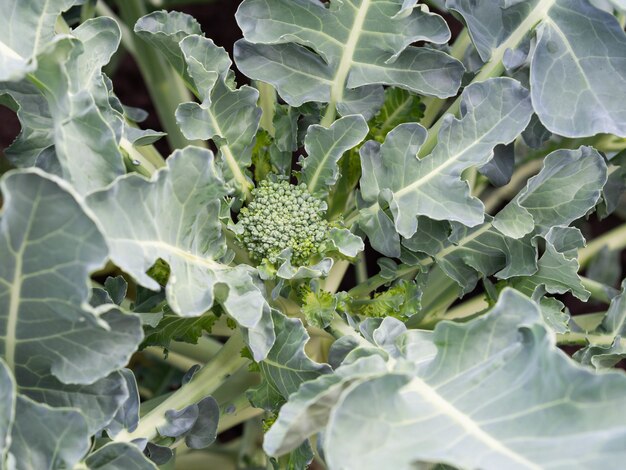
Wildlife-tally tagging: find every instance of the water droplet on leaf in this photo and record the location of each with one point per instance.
(552, 47)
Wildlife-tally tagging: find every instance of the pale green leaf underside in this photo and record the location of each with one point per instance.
(84, 127)
(175, 216)
(313, 52)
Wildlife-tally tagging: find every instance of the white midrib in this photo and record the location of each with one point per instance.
(186, 255)
(14, 307)
(40, 26)
(230, 159)
(435, 171)
(537, 14)
(318, 171)
(452, 248)
(7, 51)
(15, 296)
(339, 80)
(470, 427)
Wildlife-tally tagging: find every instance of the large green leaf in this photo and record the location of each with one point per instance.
(57, 346)
(494, 112)
(175, 217)
(342, 52)
(569, 184)
(498, 394)
(26, 27)
(577, 68)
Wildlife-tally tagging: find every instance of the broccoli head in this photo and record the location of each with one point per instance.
(280, 216)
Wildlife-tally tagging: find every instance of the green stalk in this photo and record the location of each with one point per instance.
(329, 115)
(205, 382)
(583, 339)
(613, 239)
(139, 161)
(165, 87)
(361, 269)
(433, 104)
(599, 291)
(338, 328)
(267, 103)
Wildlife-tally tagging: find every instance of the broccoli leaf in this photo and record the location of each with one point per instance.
(482, 401)
(175, 216)
(577, 68)
(495, 112)
(27, 27)
(324, 147)
(341, 53)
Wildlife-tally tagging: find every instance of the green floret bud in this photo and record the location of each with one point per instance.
(282, 216)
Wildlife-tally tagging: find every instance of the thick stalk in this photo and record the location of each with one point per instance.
(139, 160)
(244, 411)
(338, 328)
(267, 103)
(361, 269)
(165, 87)
(205, 382)
(508, 191)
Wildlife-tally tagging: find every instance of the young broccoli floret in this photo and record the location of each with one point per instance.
(281, 216)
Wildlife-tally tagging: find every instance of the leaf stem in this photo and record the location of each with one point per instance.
(336, 275)
(139, 160)
(613, 239)
(205, 382)
(599, 291)
(433, 104)
(583, 339)
(361, 269)
(329, 115)
(338, 328)
(165, 87)
(267, 103)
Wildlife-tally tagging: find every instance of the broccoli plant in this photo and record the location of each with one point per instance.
(361, 242)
